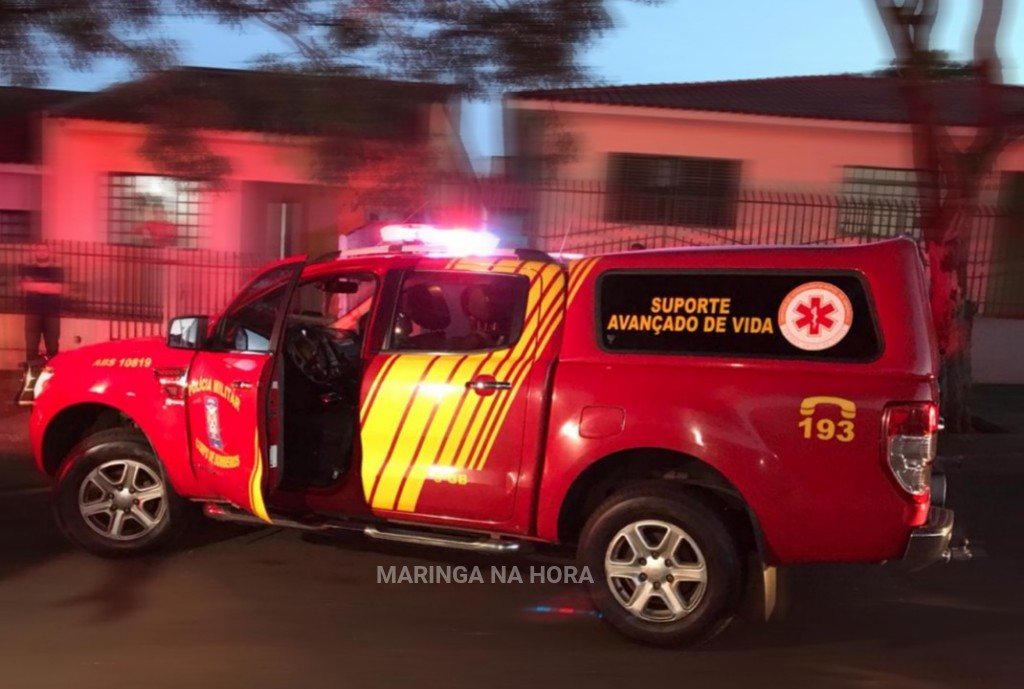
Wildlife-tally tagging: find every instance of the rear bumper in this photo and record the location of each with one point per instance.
(930, 543)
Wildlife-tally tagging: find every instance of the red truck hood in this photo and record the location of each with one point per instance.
(153, 348)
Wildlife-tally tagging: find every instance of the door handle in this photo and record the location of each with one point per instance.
(241, 385)
(487, 385)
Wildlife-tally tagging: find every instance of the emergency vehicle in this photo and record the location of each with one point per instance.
(686, 419)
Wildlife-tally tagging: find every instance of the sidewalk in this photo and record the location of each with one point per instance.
(17, 471)
(999, 409)
(1001, 406)
(13, 419)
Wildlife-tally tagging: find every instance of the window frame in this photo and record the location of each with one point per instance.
(719, 211)
(875, 196)
(237, 305)
(119, 190)
(7, 214)
(523, 302)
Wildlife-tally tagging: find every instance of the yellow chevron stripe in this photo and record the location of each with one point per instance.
(517, 369)
(547, 332)
(381, 425)
(551, 313)
(476, 408)
(468, 422)
(578, 275)
(425, 400)
(478, 263)
(256, 483)
(446, 401)
(381, 374)
(505, 365)
(478, 420)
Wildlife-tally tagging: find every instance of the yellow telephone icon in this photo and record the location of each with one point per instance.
(847, 408)
(824, 428)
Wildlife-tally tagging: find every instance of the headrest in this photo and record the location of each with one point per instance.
(426, 306)
(488, 303)
(478, 303)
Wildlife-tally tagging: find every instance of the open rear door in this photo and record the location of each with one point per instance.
(446, 415)
(233, 414)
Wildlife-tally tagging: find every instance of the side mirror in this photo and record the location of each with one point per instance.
(187, 332)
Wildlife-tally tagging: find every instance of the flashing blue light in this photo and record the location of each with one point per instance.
(547, 609)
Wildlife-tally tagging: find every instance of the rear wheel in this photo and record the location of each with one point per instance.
(666, 569)
(113, 497)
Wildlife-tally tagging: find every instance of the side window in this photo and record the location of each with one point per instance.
(458, 312)
(248, 324)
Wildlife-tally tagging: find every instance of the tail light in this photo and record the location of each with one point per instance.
(910, 436)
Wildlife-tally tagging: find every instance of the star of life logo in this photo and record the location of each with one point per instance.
(815, 316)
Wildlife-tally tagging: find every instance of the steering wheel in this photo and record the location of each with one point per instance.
(312, 355)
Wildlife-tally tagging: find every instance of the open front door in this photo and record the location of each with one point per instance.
(233, 413)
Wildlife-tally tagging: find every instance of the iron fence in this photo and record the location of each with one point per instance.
(137, 289)
(587, 217)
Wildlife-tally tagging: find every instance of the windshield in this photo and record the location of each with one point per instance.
(340, 301)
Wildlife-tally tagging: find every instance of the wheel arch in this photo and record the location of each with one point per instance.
(617, 470)
(73, 424)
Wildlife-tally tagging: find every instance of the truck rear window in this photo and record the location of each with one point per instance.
(822, 315)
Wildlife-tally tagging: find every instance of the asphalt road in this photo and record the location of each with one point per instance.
(271, 608)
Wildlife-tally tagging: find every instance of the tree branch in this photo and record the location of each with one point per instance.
(925, 17)
(989, 136)
(312, 53)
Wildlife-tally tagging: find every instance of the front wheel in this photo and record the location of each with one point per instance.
(665, 567)
(113, 497)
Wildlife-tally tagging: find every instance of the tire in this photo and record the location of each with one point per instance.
(680, 604)
(91, 497)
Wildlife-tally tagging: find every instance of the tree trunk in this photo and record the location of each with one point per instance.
(953, 318)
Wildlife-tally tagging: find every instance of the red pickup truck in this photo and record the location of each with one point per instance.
(687, 419)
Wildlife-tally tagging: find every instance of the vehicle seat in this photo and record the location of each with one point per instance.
(486, 314)
(427, 308)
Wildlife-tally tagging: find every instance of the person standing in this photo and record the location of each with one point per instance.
(43, 284)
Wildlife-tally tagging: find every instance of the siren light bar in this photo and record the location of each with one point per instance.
(458, 240)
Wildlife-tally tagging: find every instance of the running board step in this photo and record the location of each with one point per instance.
(485, 545)
(227, 513)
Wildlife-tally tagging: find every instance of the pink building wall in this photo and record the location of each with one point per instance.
(70, 190)
(776, 151)
(19, 187)
(783, 154)
(19, 191)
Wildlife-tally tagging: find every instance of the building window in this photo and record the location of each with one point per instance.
(878, 202)
(15, 226)
(672, 190)
(149, 210)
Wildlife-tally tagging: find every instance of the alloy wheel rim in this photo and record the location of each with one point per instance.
(122, 500)
(656, 571)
